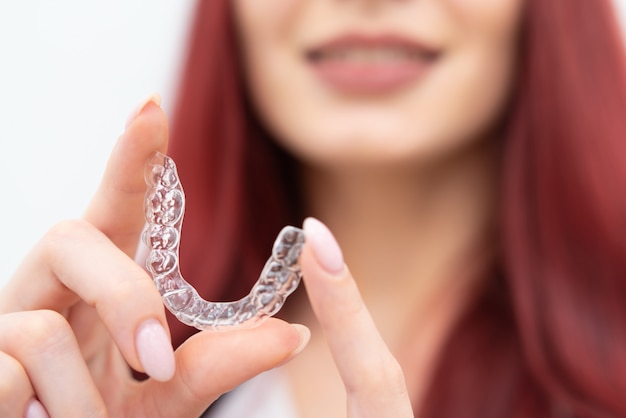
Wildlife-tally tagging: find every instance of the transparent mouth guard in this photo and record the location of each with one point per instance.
(164, 208)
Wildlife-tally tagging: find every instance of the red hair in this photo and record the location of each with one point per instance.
(548, 335)
(238, 182)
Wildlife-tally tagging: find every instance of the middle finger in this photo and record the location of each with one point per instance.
(77, 261)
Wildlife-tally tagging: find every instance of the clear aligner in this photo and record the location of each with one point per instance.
(164, 207)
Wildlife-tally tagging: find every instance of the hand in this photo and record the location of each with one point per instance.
(78, 311)
(372, 377)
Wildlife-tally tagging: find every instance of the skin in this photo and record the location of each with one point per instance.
(451, 107)
(76, 325)
(406, 179)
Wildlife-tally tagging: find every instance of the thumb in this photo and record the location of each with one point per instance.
(117, 207)
(211, 363)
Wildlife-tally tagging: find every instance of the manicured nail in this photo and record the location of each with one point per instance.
(305, 336)
(324, 245)
(155, 351)
(154, 98)
(35, 409)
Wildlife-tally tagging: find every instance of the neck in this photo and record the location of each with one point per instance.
(417, 239)
(418, 242)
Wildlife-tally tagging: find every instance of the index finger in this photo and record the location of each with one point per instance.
(373, 378)
(117, 207)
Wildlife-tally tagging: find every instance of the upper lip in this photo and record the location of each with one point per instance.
(352, 41)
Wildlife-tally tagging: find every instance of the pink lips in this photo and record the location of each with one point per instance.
(371, 64)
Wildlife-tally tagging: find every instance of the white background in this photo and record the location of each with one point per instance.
(70, 73)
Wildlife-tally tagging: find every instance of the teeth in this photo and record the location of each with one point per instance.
(368, 55)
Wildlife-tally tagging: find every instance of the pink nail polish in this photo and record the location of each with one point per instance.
(325, 247)
(35, 409)
(305, 337)
(154, 98)
(155, 351)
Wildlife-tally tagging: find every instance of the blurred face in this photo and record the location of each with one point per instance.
(345, 82)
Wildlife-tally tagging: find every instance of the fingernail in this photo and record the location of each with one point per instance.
(154, 98)
(155, 351)
(324, 245)
(35, 409)
(305, 336)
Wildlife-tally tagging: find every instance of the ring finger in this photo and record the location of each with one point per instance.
(49, 359)
(15, 387)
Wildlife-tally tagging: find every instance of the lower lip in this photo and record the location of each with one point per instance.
(363, 78)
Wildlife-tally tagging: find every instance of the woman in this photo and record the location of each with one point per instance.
(466, 157)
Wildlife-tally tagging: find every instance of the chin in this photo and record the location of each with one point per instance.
(356, 149)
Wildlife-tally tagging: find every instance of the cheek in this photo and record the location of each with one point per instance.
(482, 67)
(457, 103)
(251, 13)
(266, 39)
(262, 25)
(485, 15)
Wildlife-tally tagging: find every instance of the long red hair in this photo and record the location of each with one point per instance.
(548, 335)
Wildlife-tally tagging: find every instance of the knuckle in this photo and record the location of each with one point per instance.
(394, 375)
(136, 289)
(135, 284)
(354, 307)
(385, 375)
(192, 382)
(43, 330)
(124, 290)
(66, 229)
(13, 380)
(61, 233)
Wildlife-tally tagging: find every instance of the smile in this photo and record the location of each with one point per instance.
(368, 56)
(370, 65)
